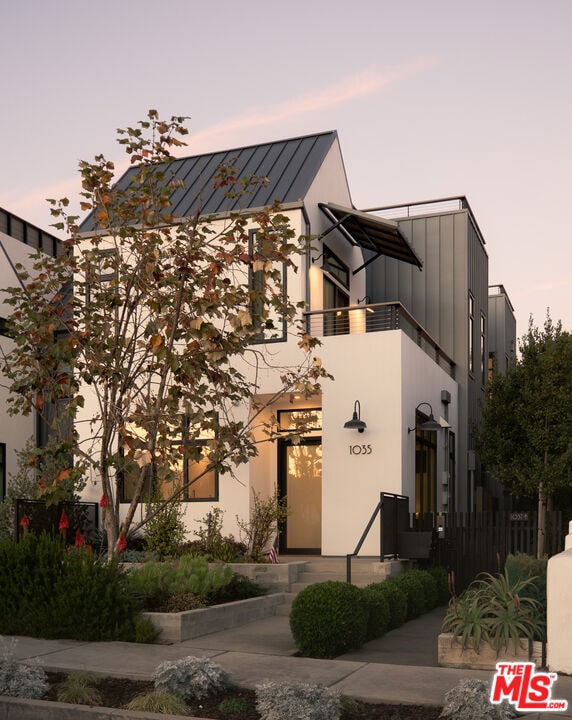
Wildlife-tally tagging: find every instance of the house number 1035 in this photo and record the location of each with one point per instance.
(360, 450)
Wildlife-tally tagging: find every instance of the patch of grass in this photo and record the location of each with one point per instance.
(79, 688)
(234, 705)
(159, 702)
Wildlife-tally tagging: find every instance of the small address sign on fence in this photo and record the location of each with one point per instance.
(361, 450)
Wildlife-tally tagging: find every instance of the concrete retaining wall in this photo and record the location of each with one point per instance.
(177, 627)
(20, 709)
(451, 654)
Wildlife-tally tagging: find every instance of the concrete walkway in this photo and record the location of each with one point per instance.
(400, 667)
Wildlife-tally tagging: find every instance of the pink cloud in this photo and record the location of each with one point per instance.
(365, 83)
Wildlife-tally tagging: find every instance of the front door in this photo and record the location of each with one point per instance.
(300, 481)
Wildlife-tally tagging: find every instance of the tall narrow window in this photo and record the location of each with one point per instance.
(200, 480)
(483, 343)
(4, 331)
(492, 366)
(452, 471)
(336, 295)
(2, 470)
(267, 317)
(471, 333)
(425, 468)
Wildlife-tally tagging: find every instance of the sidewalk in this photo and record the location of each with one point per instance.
(400, 667)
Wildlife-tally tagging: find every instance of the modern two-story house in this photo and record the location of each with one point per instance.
(399, 299)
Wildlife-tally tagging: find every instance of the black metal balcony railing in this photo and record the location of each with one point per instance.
(376, 317)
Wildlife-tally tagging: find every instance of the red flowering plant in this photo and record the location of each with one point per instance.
(25, 524)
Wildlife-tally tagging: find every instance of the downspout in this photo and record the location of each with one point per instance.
(307, 257)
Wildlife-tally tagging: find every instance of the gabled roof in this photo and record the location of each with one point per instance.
(290, 166)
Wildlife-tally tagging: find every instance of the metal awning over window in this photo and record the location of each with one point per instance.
(379, 236)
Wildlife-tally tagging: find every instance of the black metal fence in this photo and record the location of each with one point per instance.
(472, 543)
(66, 519)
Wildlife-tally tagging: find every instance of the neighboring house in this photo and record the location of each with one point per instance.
(502, 331)
(502, 354)
(18, 239)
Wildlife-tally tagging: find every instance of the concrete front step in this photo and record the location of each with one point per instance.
(312, 578)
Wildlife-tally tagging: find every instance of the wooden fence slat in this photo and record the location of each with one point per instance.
(476, 542)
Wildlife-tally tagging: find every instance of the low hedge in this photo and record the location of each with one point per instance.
(331, 618)
(413, 589)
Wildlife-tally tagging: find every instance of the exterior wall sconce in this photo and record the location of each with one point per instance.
(325, 266)
(367, 301)
(430, 425)
(356, 423)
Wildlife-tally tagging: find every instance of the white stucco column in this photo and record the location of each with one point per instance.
(559, 609)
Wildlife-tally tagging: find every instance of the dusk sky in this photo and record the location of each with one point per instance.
(430, 99)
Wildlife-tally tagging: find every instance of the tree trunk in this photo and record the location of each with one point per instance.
(541, 524)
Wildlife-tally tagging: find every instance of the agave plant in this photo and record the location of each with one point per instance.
(467, 619)
(511, 614)
(495, 609)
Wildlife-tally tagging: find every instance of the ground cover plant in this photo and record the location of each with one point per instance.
(189, 583)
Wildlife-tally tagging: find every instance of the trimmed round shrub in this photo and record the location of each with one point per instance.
(397, 601)
(429, 588)
(379, 610)
(328, 619)
(441, 578)
(413, 588)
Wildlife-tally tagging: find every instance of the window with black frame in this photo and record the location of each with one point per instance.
(2, 470)
(269, 320)
(336, 295)
(190, 472)
(199, 478)
(425, 468)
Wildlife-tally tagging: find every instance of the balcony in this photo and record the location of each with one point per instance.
(376, 317)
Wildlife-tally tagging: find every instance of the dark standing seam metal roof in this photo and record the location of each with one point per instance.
(370, 232)
(290, 166)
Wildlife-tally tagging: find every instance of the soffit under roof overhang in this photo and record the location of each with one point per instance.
(372, 233)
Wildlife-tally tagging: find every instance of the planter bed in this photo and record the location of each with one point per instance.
(451, 654)
(177, 627)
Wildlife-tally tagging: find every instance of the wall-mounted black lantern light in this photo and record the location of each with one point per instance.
(430, 425)
(325, 267)
(356, 423)
(367, 301)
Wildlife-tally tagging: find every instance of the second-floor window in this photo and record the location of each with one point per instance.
(267, 317)
(471, 356)
(336, 295)
(483, 344)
